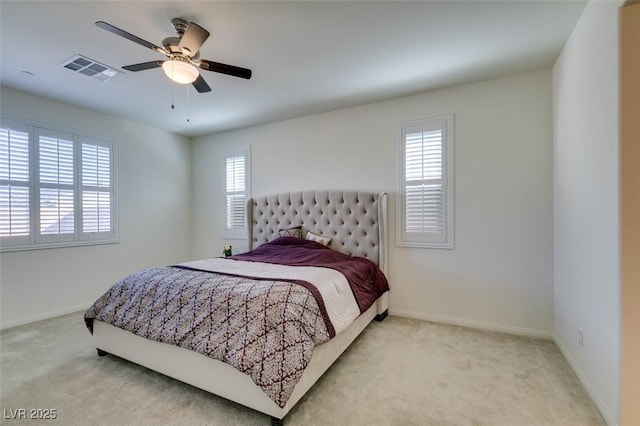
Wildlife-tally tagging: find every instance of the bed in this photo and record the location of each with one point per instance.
(352, 224)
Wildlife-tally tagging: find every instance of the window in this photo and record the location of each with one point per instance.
(56, 188)
(425, 203)
(236, 192)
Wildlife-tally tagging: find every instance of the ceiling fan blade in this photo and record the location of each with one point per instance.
(225, 69)
(129, 36)
(143, 66)
(193, 38)
(201, 85)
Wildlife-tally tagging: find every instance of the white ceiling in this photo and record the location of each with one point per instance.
(306, 56)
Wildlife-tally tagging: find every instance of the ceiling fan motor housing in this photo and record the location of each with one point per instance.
(171, 44)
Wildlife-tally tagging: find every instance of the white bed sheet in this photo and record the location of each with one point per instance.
(333, 286)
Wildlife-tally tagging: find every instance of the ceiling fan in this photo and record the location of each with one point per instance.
(183, 53)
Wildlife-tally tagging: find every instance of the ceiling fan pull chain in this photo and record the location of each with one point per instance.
(187, 86)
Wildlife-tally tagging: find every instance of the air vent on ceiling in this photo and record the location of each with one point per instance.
(91, 68)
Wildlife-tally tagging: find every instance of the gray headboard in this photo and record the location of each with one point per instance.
(355, 220)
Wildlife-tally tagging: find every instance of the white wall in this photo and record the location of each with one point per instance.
(155, 217)
(500, 273)
(586, 198)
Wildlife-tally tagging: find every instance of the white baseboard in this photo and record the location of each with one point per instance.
(45, 315)
(606, 414)
(521, 331)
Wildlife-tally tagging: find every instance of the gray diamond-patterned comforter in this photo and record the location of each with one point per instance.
(264, 328)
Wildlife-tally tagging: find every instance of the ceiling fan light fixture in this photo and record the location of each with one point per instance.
(180, 70)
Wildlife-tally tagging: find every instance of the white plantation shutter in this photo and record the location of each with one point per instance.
(15, 192)
(425, 203)
(96, 188)
(237, 193)
(56, 188)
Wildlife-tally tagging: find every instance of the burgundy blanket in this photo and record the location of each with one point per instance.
(366, 280)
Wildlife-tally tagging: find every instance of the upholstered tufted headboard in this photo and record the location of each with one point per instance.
(354, 220)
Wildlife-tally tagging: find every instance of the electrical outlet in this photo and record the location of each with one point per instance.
(580, 337)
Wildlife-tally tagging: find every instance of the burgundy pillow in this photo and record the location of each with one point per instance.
(295, 232)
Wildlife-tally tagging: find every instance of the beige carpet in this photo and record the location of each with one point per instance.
(398, 372)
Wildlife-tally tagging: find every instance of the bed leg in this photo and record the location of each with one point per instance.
(382, 316)
(276, 421)
(101, 352)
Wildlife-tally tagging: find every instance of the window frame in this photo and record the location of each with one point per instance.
(21, 240)
(36, 239)
(237, 233)
(445, 238)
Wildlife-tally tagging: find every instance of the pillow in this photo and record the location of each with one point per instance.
(318, 239)
(295, 232)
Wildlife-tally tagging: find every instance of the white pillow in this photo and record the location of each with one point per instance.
(318, 239)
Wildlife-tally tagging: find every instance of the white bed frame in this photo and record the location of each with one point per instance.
(356, 222)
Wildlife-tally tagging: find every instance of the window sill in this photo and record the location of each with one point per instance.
(445, 246)
(235, 237)
(10, 248)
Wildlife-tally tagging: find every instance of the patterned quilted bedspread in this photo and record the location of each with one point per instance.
(264, 328)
